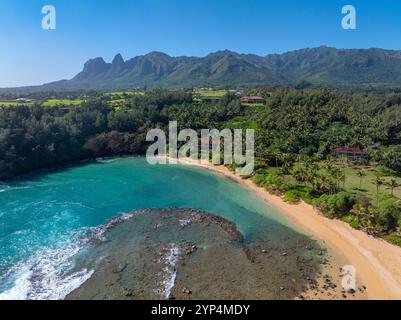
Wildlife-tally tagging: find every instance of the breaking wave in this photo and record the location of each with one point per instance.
(51, 274)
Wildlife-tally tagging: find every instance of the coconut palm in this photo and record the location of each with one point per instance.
(393, 184)
(379, 182)
(361, 174)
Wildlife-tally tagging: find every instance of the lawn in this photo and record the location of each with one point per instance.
(242, 123)
(124, 93)
(368, 183)
(62, 102)
(14, 104)
(211, 93)
(118, 99)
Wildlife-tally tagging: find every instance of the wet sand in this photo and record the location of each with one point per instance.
(377, 263)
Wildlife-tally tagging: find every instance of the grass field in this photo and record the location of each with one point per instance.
(118, 99)
(242, 123)
(14, 104)
(124, 93)
(62, 102)
(368, 183)
(211, 93)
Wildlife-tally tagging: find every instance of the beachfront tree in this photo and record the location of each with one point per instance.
(379, 182)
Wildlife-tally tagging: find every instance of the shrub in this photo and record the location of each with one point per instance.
(352, 220)
(259, 179)
(292, 196)
(275, 182)
(388, 216)
(336, 204)
(297, 192)
(393, 238)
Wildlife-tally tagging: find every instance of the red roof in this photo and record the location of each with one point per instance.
(253, 97)
(349, 150)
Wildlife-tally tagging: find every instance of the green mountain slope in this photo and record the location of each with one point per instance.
(322, 65)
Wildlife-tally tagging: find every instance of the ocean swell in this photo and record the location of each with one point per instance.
(51, 273)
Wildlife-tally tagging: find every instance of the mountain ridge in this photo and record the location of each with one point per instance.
(319, 66)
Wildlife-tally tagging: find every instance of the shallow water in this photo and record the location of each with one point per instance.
(44, 218)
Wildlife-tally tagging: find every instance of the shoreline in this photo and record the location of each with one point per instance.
(377, 262)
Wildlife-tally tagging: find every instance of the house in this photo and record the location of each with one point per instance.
(350, 152)
(22, 100)
(253, 99)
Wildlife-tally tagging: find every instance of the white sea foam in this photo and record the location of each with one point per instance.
(4, 188)
(51, 273)
(186, 222)
(169, 273)
(106, 160)
(47, 276)
(98, 232)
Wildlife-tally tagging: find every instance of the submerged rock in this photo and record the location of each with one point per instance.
(193, 249)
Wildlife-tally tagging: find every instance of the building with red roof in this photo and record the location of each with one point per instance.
(350, 152)
(253, 99)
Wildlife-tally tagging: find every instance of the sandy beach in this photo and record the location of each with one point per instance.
(377, 262)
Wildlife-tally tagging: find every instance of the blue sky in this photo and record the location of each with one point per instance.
(91, 28)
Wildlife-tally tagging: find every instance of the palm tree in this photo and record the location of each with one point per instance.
(393, 184)
(379, 182)
(342, 178)
(338, 176)
(361, 174)
(387, 157)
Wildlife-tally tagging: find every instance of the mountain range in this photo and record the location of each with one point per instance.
(318, 66)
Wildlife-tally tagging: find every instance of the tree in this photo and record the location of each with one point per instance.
(379, 182)
(393, 184)
(361, 174)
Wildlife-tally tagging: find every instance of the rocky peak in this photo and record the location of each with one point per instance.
(97, 65)
(118, 60)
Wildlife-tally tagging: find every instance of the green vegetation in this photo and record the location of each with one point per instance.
(210, 93)
(293, 196)
(120, 100)
(14, 104)
(62, 102)
(124, 93)
(367, 185)
(243, 123)
(336, 205)
(45, 103)
(393, 238)
(295, 135)
(256, 104)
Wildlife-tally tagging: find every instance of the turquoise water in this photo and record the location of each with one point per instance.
(43, 218)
